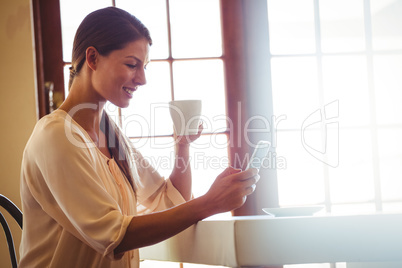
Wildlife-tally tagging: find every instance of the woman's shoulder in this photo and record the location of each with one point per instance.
(56, 129)
(55, 120)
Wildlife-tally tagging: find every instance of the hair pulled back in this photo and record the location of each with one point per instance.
(105, 29)
(109, 29)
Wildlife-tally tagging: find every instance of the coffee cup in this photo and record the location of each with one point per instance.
(186, 116)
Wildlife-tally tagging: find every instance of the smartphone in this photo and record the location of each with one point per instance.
(260, 152)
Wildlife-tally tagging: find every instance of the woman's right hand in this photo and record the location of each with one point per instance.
(228, 192)
(231, 188)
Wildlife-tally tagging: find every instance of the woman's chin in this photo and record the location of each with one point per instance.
(121, 104)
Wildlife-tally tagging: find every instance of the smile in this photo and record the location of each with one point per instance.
(129, 90)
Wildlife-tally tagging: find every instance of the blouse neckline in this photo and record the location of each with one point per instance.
(85, 133)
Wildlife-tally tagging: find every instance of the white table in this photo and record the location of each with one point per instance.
(266, 240)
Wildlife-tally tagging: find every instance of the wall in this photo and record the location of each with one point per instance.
(17, 101)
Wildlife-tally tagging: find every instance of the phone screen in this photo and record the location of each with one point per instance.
(260, 152)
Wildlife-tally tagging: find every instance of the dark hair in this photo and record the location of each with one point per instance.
(105, 29)
(109, 29)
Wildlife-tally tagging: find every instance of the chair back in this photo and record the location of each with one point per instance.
(16, 213)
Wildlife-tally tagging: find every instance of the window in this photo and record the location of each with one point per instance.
(339, 137)
(224, 76)
(186, 63)
(343, 63)
(333, 68)
(336, 83)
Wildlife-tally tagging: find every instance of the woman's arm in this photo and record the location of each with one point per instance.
(181, 174)
(229, 191)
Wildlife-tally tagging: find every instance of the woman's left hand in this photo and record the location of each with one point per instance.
(187, 139)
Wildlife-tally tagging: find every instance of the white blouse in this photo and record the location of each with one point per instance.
(77, 203)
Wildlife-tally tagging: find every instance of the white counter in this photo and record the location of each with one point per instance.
(266, 240)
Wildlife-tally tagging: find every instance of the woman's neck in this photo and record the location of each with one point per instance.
(86, 109)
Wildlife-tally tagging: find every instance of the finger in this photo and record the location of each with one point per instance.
(251, 189)
(201, 127)
(257, 177)
(254, 170)
(228, 171)
(232, 170)
(249, 182)
(244, 175)
(187, 139)
(248, 190)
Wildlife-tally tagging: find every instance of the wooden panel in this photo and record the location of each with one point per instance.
(40, 80)
(49, 54)
(235, 76)
(248, 89)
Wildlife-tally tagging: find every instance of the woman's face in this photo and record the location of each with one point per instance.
(119, 74)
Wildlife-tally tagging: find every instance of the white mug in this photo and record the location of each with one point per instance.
(186, 116)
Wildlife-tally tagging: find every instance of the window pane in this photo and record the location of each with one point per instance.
(392, 207)
(352, 209)
(352, 180)
(386, 23)
(209, 158)
(203, 80)
(388, 88)
(148, 113)
(291, 30)
(153, 14)
(390, 151)
(300, 176)
(66, 73)
(345, 80)
(195, 27)
(342, 25)
(158, 151)
(294, 89)
(72, 12)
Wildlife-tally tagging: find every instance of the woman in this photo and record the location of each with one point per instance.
(88, 198)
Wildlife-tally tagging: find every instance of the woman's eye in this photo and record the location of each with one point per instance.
(132, 66)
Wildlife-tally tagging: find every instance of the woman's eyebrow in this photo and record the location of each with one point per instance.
(137, 59)
(133, 57)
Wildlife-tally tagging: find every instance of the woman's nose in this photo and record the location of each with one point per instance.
(140, 77)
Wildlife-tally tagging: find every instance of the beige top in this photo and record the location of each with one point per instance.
(77, 203)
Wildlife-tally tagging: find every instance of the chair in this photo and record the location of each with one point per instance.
(16, 213)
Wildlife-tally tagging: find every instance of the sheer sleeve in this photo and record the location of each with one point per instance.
(154, 192)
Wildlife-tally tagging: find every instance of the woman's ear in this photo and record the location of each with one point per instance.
(92, 56)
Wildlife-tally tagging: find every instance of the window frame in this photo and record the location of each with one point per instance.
(373, 126)
(241, 92)
(48, 53)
